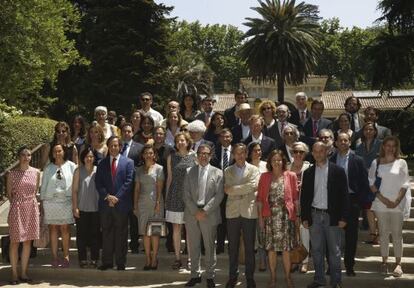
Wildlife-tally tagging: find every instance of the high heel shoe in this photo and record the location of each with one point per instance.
(155, 267)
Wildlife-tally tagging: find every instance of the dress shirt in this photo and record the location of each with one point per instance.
(228, 155)
(196, 144)
(202, 184)
(281, 124)
(127, 148)
(240, 171)
(302, 116)
(355, 118)
(116, 162)
(343, 161)
(257, 140)
(320, 197)
(271, 123)
(245, 131)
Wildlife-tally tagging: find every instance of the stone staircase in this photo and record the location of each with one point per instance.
(367, 267)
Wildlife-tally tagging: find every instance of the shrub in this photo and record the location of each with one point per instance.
(19, 131)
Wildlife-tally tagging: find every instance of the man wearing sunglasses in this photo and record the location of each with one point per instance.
(146, 103)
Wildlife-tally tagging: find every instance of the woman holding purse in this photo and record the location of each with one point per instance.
(278, 195)
(149, 181)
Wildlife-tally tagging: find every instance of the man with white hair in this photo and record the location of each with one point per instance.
(197, 128)
(282, 115)
(301, 114)
(101, 113)
(242, 131)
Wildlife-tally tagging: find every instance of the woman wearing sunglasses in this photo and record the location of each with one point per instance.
(56, 196)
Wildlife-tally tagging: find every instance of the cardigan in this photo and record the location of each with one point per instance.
(291, 193)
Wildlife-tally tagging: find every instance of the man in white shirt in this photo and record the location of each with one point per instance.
(146, 100)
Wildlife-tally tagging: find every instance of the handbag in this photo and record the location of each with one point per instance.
(43, 240)
(298, 254)
(156, 227)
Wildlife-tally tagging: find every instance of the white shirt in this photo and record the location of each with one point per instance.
(271, 124)
(245, 131)
(155, 115)
(320, 197)
(116, 162)
(128, 147)
(202, 183)
(240, 171)
(228, 155)
(257, 140)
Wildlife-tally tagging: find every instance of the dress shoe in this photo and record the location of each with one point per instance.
(120, 267)
(250, 283)
(350, 273)
(219, 250)
(104, 267)
(211, 283)
(192, 282)
(231, 283)
(315, 285)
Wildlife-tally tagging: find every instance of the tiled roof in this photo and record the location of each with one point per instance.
(334, 100)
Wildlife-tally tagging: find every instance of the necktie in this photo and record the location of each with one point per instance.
(113, 168)
(352, 122)
(124, 149)
(225, 159)
(302, 117)
(282, 127)
(202, 184)
(315, 128)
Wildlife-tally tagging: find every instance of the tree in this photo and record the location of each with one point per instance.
(127, 44)
(34, 48)
(392, 52)
(282, 44)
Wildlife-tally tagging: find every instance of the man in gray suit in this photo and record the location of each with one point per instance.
(240, 185)
(203, 192)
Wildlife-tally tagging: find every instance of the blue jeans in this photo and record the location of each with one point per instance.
(321, 233)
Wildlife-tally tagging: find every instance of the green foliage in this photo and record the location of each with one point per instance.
(19, 131)
(216, 46)
(34, 48)
(282, 44)
(7, 111)
(127, 43)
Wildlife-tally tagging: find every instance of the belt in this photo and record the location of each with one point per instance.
(320, 210)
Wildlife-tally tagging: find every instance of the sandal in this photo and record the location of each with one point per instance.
(176, 265)
(397, 271)
(304, 268)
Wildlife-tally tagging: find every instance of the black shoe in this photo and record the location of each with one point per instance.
(231, 283)
(210, 283)
(135, 251)
(192, 282)
(104, 267)
(120, 267)
(147, 268)
(219, 250)
(250, 283)
(350, 273)
(315, 285)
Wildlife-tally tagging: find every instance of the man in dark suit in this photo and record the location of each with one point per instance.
(230, 113)
(372, 115)
(242, 130)
(114, 179)
(207, 104)
(267, 144)
(276, 132)
(358, 188)
(203, 192)
(324, 210)
(315, 123)
(222, 159)
(132, 150)
(301, 114)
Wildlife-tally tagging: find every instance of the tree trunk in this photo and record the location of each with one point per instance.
(281, 88)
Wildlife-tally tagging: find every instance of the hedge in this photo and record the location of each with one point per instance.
(19, 131)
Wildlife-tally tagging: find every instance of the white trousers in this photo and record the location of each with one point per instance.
(390, 223)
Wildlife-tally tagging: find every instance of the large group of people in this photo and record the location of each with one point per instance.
(266, 182)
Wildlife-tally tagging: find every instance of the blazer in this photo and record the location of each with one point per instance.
(213, 196)
(237, 133)
(357, 176)
(338, 198)
(241, 198)
(134, 153)
(48, 187)
(216, 160)
(231, 119)
(308, 130)
(290, 189)
(267, 145)
(273, 132)
(295, 117)
(122, 188)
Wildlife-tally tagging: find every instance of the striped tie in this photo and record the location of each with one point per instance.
(225, 159)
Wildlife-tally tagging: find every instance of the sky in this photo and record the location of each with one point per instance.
(360, 13)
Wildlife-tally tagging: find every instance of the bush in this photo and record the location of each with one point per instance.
(19, 131)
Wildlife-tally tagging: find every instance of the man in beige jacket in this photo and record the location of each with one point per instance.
(240, 185)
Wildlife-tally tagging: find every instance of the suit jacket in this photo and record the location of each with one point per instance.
(383, 132)
(135, 153)
(231, 119)
(214, 194)
(295, 117)
(273, 132)
(122, 188)
(357, 176)
(241, 198)
(216, 160)
(338, 198)
(308, 130)
(267, 144)
(237, 133)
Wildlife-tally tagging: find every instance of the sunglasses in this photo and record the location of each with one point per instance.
(267, 108)
(298, 152)
(59, 174)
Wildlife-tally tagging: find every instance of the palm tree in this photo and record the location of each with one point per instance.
(282, 44)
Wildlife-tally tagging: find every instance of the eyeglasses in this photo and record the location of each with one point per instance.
(60, 131)
(298, 152)
(145, 99)
(59, 174)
